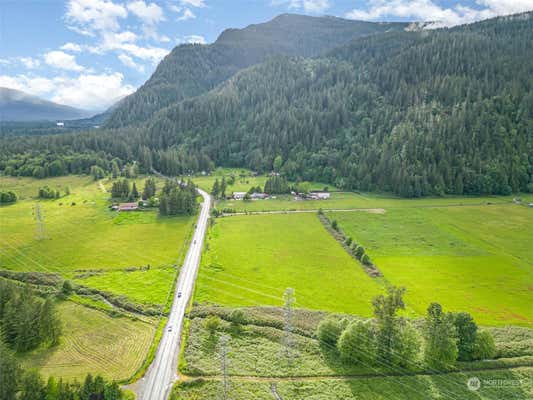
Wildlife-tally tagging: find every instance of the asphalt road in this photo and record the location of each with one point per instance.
(162, 373)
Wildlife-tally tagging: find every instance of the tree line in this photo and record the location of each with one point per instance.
(414, 113)
(20, 384)
(390, 341)
(26, 320)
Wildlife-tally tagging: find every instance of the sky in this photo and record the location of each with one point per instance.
(91, 53)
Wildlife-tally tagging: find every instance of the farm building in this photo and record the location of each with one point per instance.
(239, 195)
(128, 207)
(259, 196)
(320, 195)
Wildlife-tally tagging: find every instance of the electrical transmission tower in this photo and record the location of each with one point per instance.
(40, 229)
(287, 342)
(224, 364)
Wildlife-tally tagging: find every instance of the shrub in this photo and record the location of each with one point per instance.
(67, 288)
(359, 252)
(348, 241)
(357, 343)
(329, 330)
(406, 347)
(237, 318)
(365, 259)
(335, 225)
(484, 347)
(212, 323)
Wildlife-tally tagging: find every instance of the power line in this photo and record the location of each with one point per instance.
(39, 220)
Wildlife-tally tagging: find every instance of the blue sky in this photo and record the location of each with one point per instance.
(89, 53)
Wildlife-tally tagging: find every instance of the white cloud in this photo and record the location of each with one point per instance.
(427, 10)
(99, 15)
(29, 62)
(310, 6)
(193, 39)
(71, 47)
(33, 85)
(148, 13)
(193, 3)
(62, 60)
(153, 54)
(90, 91)
(128, 62)
(187, 14)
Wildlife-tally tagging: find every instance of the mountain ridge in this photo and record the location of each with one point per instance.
(192, 69)
(16, 105)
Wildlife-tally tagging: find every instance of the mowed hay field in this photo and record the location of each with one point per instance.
(89, 244)
(472, 258)
(93, 342)
(81, 233)
(251, 260)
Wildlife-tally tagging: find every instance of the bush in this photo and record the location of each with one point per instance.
(359, 252)
(484, 347)
(406, 347)
(237, 318)
(365, 259)
(348, 241)
(335, 225)
(8, 197)
(212, 323)
(329, 330)
(357, 343)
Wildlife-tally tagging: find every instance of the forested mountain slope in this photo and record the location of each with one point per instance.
(415, 113)
(192, 69)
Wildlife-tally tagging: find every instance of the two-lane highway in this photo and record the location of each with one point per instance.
(162, 373)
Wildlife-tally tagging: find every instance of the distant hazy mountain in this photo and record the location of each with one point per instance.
(19, 106)
(193, 69)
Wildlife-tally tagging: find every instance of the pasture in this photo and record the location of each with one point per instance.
(251, 260)
(472, 258)
(244, 180)
(141, 286)
(93, 342)
(81, 233)
(350, 200)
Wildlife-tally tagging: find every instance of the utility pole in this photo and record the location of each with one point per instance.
(287, 341)
(39, 219)
(224, 363)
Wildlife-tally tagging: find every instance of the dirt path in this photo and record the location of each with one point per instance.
(367, 210)
(102, 187)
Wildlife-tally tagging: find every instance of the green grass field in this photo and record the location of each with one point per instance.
(146, 287)
(473, 258)
(244, 180)
(95, 247)
(495, 385)
(348, 200)
(252, 259)
(93, 342)
(84, 236)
